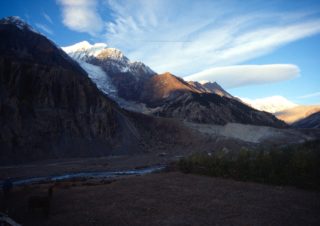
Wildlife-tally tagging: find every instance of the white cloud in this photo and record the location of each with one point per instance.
(44, 28)
(81, 16)
(270, 104)
(188, 38)
(310, 95)
(47, 17)
(243, 75)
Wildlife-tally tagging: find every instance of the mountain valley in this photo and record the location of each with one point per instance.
(89, 136)
(81, 105)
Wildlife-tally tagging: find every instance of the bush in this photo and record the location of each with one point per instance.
(297, 165)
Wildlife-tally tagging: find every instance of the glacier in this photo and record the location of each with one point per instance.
(100, 78)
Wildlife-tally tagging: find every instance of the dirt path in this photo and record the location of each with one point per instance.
(172, 199)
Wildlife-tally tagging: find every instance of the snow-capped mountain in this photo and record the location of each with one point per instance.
(100, 54)
(135, 86)
(126, 78)
(84, 50)
(270, 104)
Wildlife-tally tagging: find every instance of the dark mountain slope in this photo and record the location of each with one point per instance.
(312, 122)
(48, 105)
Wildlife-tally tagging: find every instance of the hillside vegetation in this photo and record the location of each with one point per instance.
(296, 165)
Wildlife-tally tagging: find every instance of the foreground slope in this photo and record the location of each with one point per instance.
(167, 199)
(48, 105)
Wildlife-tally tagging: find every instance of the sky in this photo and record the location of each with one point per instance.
(253, 48)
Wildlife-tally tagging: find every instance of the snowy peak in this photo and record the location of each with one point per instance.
(16, 21)
(270, 104)
(111, 70)
(111, 59)
(84, 45)
(84, 50)
(111, 53)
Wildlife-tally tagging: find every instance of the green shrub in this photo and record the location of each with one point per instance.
(297, 165)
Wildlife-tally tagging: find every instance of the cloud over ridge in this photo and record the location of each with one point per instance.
(243, 75)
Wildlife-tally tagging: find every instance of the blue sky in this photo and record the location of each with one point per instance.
(253, 48)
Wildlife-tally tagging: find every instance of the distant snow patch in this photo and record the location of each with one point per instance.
(270, 104)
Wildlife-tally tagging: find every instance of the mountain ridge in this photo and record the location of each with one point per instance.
(163, 92)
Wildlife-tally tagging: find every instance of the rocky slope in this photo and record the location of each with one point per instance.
(173, 97)
(210, 87)
(48, 105)
(213, 109)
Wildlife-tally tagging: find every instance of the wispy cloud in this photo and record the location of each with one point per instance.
(44, 28)
(193, 38)
(310, 95)
(47, 17)
(81, 16)
(243, 75)
(188, 38)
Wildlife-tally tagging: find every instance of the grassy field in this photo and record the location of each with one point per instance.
(296, 165)
(168, 199)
